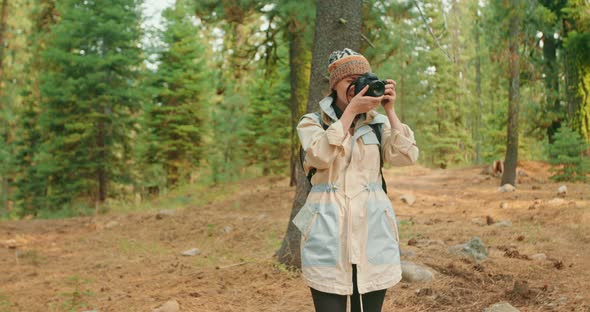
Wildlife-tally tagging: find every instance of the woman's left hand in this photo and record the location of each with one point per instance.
(389, 95)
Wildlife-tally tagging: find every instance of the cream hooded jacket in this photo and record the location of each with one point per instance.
(347, 217)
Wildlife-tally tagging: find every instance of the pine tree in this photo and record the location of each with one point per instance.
(567, 155)
(175, 119)
(34, 20)
(89, 99)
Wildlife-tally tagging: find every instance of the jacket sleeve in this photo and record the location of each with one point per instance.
(321, 146)
(399, 149)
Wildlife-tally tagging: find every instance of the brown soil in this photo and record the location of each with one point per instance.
(135, 265)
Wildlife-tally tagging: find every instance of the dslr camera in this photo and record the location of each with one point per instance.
(376, 86)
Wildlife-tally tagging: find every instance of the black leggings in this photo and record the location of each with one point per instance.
(326, 302)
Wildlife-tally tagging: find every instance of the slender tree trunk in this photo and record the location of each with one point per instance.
(509, 175)
(551, 83)
(338, 26)
(101, 171)
(3, 22)
(5, 182)
(478, 90)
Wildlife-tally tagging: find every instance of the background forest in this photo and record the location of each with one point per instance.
(96, 110)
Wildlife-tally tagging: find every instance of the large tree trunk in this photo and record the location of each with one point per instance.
(338, 26)
(509, 175)
(299, 59)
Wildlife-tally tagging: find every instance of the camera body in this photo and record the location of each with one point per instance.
(376, 86)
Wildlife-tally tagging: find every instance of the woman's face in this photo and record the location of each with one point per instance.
(341, 87)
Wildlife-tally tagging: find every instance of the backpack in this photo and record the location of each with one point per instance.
(377, 129)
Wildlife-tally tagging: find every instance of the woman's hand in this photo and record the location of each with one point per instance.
(361, 104)
(389, 95)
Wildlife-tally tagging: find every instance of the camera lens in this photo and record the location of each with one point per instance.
(376, 88)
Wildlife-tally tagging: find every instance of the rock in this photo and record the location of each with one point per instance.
(164, 213)
(478, 221)
(504, 205)
(504, 223)
(191, 252)
(474, 249)
(170, 306)
(555, 202)
(536, 204)
(407, 253)
(414, 273)
(227, 229)
(539, 257)
(262, 216)
(562, 191)
(522, 173)
(111, 224)
(412, 241)
(501, 307)
(408, 199)
(507, 188)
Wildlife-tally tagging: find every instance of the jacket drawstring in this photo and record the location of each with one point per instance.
(361, 296)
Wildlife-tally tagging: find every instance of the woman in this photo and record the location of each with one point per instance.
(350, 240)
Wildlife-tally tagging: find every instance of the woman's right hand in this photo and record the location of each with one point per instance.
(361, 104)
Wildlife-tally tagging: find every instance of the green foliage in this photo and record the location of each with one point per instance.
(89, 98)
(269, 124)
(174, 120)
(227, 145)
(567, 156)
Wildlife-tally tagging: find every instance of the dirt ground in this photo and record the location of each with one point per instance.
(132, 261)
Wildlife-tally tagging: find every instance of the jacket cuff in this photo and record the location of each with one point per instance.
(402, 142)
(336, 134)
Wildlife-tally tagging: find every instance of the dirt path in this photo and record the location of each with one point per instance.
(132, 261)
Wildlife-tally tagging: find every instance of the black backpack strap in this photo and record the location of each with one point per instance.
(377, 128)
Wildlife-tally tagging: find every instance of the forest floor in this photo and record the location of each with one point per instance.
(131, 261)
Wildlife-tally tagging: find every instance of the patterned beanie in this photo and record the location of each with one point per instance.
(345, 63)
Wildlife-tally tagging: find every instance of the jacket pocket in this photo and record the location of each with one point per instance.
(304, 219)
(383, 237)
(320, 231)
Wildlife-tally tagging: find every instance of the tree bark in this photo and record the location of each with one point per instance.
(299, 59)
(338, 26)
(509, 174)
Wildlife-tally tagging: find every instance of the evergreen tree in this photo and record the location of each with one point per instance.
(567, 155)
(175, 119)
(30, 186)
(89, 99)
(269, 121)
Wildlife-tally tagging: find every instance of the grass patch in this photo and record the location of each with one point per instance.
(68, 211)
(406, 229)
(4, 303)
(32, 257)
(134, 247)
(74, 299)
(273, 240)
(197, 194)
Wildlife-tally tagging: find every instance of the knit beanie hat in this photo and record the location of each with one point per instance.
(345, 63)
